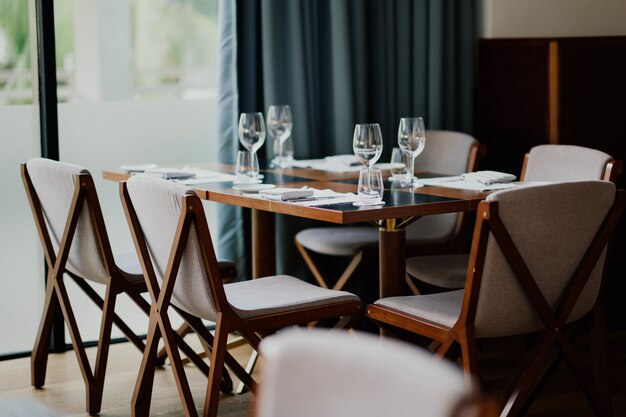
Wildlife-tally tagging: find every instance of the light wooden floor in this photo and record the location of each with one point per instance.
(64, 389)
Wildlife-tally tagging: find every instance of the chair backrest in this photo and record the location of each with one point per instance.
(159, 207)
(557, 163)
(54, 186)
(323, 373)
(551, 227)
(446, 152)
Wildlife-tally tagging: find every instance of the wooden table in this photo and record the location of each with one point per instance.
(402, 207)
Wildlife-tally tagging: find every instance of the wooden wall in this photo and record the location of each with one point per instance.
(562, 91)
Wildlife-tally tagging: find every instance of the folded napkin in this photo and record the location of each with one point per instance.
(204, 176)
(344, 159)
(336, 163)
(489, 177)
(327, 197)
(308, 197)
(190, 175)
(170, 173)
(460, 183)
(286, 194)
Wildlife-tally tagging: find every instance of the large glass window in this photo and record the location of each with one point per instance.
(21, 260)
(137, 82)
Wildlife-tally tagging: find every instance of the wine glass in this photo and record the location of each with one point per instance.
(370, 188)
(279, 126)
(367, 143)
(412, 139)
(399, 164)
(247, 168)
(251, 131)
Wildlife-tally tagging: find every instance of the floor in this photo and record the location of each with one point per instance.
(64, 389)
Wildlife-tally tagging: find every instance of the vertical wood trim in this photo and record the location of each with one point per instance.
(553, 92)
(263, 243)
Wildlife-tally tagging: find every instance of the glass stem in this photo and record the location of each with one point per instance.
(411, 170)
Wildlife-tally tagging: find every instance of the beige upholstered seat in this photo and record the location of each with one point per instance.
(62, 194)
(552, 163)
(172, 237)
(537, 263)
(59, 192)
(317, 373)
(446, 152)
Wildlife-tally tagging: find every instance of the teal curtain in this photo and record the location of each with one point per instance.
(342, 62)
(231, 220)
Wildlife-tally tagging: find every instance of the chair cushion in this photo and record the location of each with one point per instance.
(129, 263)
(279, 294)
(565, 163)
(353, 367)
(337, 241)
(443, 308)
(55, 184)
(158, 204)
(552, 227)
(445, 271)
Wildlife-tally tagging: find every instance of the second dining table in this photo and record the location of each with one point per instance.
(402, 207)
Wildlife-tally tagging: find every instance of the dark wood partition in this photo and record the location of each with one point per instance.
(559, 90)
(562, 91)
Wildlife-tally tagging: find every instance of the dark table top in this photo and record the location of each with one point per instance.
(399, 202)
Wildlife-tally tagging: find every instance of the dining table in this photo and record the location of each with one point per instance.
(402, 206)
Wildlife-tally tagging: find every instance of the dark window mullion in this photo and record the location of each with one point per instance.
(48, 118)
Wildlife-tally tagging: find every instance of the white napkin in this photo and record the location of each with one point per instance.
(191, 175)
(170, 173)
(203, 176)
(310, 196)
(460, 183)
(326, 197)
(336, 163)
(347, 159)
(489, 177)
(286, 194)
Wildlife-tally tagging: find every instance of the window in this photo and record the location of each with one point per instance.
(137, 82)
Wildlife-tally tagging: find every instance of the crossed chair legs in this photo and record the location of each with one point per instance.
(57, 297)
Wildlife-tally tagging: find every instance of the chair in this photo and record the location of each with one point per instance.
(553, 163)
(446, 152)
(71, 228)
(174, 245)
(535, 266)
(357, 375)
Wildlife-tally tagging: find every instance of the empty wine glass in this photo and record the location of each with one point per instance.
(287, 150)
(251, 131)
(412, 139)
(371, 187)
(367, 143)
(279, 127)
(247, 168)
(398, 165)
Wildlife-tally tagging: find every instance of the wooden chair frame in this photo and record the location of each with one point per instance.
(462, 333)
(227, 319)
(56, 295)
(454, 245)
